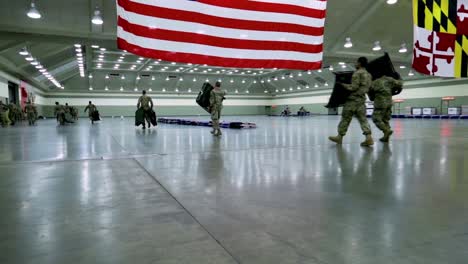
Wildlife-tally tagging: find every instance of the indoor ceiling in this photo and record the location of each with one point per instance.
(51, 41)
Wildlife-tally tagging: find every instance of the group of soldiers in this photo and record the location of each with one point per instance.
(11, 114)
(65, 113)
(361, 85)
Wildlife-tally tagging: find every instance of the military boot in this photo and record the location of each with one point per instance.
(386, 136)
(338, 139)
(368, 142)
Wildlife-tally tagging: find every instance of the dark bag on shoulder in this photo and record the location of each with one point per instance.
(203, 98)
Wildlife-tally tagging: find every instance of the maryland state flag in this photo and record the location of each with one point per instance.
(441, 37)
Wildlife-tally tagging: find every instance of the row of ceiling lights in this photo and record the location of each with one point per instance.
(80, 59)
(34, 62)
(377, 47)
(34, 13)
(244, 81)
(189, 90)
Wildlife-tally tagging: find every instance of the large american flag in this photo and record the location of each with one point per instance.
(285, 34)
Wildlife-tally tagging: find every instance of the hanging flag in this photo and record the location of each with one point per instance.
(441, 37)
(284, 34)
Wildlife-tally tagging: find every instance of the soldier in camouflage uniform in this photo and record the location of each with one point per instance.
(146, 103)
(59, 112)
(4, 112)
(216, 105)
(382, 90)
(91, 108)
(31, 113)
(355, 104)
(14, 113)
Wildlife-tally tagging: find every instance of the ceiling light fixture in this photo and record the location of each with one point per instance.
(95, 46)
(377, 46)
(391, 2)
(348, 44)
(410, 73)
(23, 52)
(33, 12)
(402, 67)
(97, 18)
(403, 48)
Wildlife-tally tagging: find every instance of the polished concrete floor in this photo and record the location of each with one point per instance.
(281, 193)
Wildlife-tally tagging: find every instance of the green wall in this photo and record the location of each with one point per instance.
(420, 102)
(313, 108)
(108, 111)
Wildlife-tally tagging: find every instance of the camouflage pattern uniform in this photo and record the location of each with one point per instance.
(4, 112)
(74, 113)
(216, 105)
(31, 113)
(146, 103)
(14, 114)
(355, 104)
(59, 112)
(90, 108)
(382, 88)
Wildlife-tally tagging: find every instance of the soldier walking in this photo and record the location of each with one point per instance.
(59, 112)
(355, 104)
(91, 108)
(382, 90)
(146, 103)
(31, 112)
(216, 105)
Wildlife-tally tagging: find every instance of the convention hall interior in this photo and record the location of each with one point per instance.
(273, 188)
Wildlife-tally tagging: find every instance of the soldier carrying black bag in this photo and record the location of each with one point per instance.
(145, 111)
(211, 99)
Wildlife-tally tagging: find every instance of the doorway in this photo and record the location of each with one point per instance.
(13, 93)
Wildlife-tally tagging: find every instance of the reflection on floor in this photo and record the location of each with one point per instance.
(281, 193)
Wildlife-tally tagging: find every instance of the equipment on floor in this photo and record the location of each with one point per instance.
(203, 98)
(188, 122)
